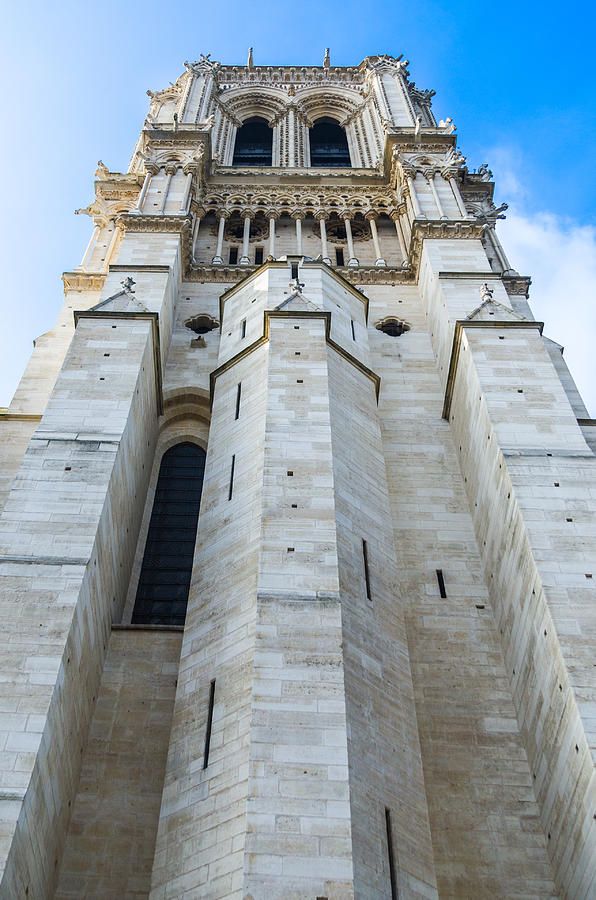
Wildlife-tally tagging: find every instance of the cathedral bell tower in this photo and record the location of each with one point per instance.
(295, 557)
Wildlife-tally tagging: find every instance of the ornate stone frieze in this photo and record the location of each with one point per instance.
(363, 275)
(440, 230)
(83, 281)
(311, 199)
(517, 285)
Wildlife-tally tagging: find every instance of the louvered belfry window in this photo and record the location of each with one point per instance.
(254, 143)
(162, 593)
(328, 144)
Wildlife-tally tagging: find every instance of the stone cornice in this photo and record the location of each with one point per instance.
(462, 324)
(160, 223)
(352, 275)
(173, 224)
(83, 281)
(6, 416)
(517, 285)
(441, 230)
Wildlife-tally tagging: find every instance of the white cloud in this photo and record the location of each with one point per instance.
(560, 256)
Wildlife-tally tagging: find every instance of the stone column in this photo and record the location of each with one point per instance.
(272, 215)
(298, 216)
(457, 195)
(352, 259)
(218, 259)
(372, 217)
(395, 215)
(418, 214)
(322, 217)
(110, 249)
(430, 177)
(199, 213)
(244, 260)
(139, 207)
(492, 236)
(169, 172)
(185, 198)
(90, 247)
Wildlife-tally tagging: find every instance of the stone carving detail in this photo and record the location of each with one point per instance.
(392, 326)
(202, 323)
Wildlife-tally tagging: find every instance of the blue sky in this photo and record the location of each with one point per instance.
(515, 77)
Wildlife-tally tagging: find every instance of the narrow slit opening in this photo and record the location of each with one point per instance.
(209, 724)
(392, 872)
(231, 488)
(366, 571)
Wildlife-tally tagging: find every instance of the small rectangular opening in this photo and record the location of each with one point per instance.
(243, 328)
(353, 332)
(209, 724)
(231, 489)
(339, 256)
(366, 572)
(441, 581)
(294, 267)
(392, 872)
(238, 395)
(258, 256)
(233, 257)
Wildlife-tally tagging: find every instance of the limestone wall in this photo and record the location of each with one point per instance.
(111, 838)
(484, 820)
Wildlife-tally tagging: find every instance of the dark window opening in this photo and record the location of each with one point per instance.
(441, 581)
(209, 724)
(294, 268)
(353, 332)
(339, 256)
(258, 256)
(231, 487)
(328, 144)
(243, 328)
(254, 141)
(162, 593)
(233, 258)
(366, 572)
(238, 395)
(391, 859)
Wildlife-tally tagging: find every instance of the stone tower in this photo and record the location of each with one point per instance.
(298, 556)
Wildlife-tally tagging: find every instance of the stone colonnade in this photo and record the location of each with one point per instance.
(298, 216)
(403, 215)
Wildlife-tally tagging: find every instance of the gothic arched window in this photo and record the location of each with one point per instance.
(254, 143)
(328, 144)
(162, 593)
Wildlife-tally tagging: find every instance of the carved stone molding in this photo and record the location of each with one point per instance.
(434, 230)
(83, 281)
(517, 285)
(177, 224)
(362, 275)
